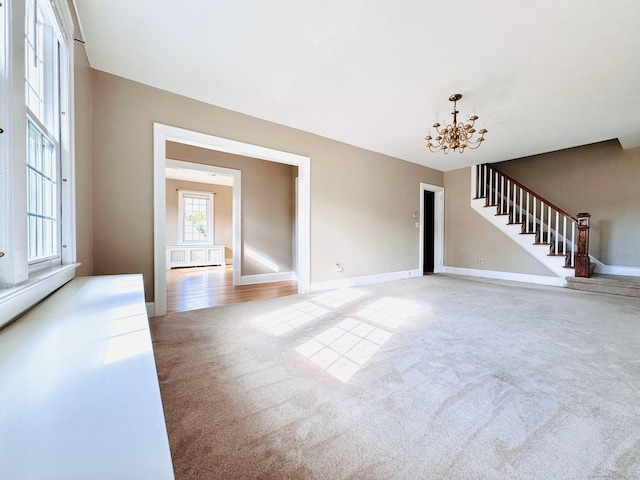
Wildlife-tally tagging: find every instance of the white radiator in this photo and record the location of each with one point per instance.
(195, 256)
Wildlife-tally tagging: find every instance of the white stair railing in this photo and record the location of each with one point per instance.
(551, 225)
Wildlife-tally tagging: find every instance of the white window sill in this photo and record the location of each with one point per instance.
(16, 300)
(79, 388)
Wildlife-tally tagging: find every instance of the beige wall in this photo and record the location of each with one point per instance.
(602, 179)
(222, 214)
(361, 201)
(83, 174)
(267, 206)
(469, 237)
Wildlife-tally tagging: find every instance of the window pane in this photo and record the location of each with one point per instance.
(34, 58)
(196, 211)
(42, 199)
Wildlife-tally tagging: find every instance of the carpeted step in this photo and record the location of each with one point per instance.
(611, 284)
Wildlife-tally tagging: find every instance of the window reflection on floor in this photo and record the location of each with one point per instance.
(286, 319)
(388, 312)
(337, 298)
(343, 349)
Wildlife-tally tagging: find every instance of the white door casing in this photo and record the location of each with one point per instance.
(438, 223)
(163, 133)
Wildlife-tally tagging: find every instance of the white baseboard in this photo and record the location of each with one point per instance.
(267, 278)
(151, 309)
(515, 277)
(618, 270)
(364, 280)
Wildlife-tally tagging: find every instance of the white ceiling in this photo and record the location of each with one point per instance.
(185, 174)
(542, 75)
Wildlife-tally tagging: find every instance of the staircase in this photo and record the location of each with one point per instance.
(541, 228)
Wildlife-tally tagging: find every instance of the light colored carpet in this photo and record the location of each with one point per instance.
(432, 377)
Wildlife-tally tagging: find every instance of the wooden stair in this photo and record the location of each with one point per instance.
(540, 237)
(557, 239)
(544, 230)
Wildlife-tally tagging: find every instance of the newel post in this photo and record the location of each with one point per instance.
(582, 254)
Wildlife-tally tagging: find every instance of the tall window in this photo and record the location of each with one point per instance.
(36, 152)
(195, 212)
(42, 92)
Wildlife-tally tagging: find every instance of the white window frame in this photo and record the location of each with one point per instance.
(182, 194)
(46, 121)
(21, 287)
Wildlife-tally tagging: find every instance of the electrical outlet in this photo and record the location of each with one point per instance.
(338, 267)
(480, 260)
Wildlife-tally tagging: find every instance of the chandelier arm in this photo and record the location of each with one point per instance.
(436, 148)
(474, 145)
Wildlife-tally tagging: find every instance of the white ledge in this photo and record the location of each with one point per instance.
(80, 395)
(16, 300)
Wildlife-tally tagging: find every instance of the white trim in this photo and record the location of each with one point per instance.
(159, 220)
(15, 301)
(65, 20)
(617, 270)
(267, 278)
(151, 309)
(69, 254)
(514, 277)
(163, 133)
(13, 181)
(438, 226)
(364, 280)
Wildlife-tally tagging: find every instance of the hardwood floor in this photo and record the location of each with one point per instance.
(203, 287)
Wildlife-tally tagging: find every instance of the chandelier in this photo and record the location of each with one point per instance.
(456, 136)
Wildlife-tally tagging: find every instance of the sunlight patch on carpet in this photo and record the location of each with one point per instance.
(343, 349)
(286, 319)
(388, 312)
(337, 298)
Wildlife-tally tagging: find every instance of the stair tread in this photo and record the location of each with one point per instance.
(611, 284)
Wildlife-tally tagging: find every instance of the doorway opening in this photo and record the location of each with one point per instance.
(200, 269)
(431, 228)
(428, 240)
(164, 134)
